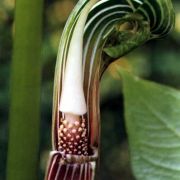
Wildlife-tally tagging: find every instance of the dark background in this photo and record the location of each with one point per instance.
(157, 60)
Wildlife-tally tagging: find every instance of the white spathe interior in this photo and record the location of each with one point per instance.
(72, 97)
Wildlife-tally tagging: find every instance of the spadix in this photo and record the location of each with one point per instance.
(72, 97)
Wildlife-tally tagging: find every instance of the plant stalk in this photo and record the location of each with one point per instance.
(24, 116)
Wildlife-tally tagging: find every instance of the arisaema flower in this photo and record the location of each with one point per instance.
(96, 34)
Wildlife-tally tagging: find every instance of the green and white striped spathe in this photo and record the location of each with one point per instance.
(112, 29)
(151, 18)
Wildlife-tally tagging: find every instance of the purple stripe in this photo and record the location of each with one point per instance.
(59, 171)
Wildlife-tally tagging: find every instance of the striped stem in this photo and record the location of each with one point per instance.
(70, 167)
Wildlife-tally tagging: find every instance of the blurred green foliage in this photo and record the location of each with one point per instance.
(157, 61)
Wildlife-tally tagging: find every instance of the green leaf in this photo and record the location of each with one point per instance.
(152, 113)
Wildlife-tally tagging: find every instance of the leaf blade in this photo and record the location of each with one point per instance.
(152, 112)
